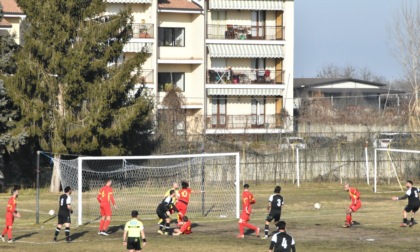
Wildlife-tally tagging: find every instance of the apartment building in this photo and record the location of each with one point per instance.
(232, 60)
(12, 20)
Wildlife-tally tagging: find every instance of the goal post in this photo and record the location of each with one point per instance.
(407, 161)
(139, 183)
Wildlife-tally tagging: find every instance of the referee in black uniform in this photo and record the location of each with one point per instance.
(64, 214)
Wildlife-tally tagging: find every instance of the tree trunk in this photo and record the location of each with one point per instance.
(56, 174)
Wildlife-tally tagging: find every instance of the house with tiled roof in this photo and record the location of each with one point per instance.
(12, 19)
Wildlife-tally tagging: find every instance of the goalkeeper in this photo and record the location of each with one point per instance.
(162, 212)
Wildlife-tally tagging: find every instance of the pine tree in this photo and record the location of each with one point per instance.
(72, 99)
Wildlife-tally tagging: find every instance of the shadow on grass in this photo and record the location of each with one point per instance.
(25, 236)
(114, 229)
(77, 235)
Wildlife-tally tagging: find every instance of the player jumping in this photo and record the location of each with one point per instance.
(355, 204)
(247, 200)
(413, 203)
(275, 204)
(11, 213)
(105, 198)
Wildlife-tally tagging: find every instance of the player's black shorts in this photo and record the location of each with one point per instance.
(273, 215)
(409, 208)
(133, 243)
(162, 214)
(63, 218)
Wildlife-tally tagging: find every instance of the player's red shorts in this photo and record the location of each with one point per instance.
(244, 217)
(182, 208)
(356, 207)
(9, 219)
(106, 210)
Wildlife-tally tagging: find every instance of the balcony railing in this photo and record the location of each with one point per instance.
(143, 30)
(245, 121)
(146, 76)
(242, 32)
(255, 76)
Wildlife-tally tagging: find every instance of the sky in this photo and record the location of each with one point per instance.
(346, 32)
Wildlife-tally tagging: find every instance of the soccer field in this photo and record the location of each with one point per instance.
(312, 229)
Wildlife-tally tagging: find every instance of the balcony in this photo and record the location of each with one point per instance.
(242, 32)
(143, 30)
(255, 76)
(146, 76)
(232, 122)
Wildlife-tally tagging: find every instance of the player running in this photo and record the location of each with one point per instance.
(275, 204)
(282, 242)
(11, 213)
(133, 233)
(105, 198)
(184, 227)
(64, 212)
(162, 212)
(247, 201)
(412, 194)
(355, 204)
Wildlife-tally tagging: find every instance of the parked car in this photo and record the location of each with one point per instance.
(292, 143)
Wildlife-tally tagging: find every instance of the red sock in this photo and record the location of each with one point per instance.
(250, 226)
(9, 233)
(106, 224)
(4, 231)
(348, 218)
(101, 225)
(241, 228)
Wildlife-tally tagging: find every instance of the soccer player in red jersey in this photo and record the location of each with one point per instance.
(185, 227)
(105, 198)
(11, 213)
(183, 200)
(247, 201)
(355, 204)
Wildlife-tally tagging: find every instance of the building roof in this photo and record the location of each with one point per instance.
(10, 7)
(5, 24)
(313, 82)
(178, 4)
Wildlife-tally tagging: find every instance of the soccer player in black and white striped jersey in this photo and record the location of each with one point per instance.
(412, 194)
(64, 214)
(275, 204)
(282, 242)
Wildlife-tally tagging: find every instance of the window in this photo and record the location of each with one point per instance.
(218, 111)
(257, 112)
(171, 36)
(176, 79)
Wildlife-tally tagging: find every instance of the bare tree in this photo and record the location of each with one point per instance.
(405, 36)
(349, 71)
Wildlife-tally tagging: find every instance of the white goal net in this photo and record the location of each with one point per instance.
(395, 166)
(140, 182)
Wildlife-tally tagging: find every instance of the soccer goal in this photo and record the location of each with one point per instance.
(395, 164)
(140, 182)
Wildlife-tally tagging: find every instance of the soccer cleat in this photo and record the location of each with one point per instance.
(166, 233)
(160, 232)
(403, 224)
(11, 241)
(410, 224)
(240, 236)
(55, 239)
(99, 233)
(2, 238)
(257, 233)
(68, 240)
(104, 233)
(265, 237)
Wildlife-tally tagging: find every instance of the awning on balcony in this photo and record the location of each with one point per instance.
(246, 5)
(245, 51)
(245, 91)
(137, 47)
(130, 1)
